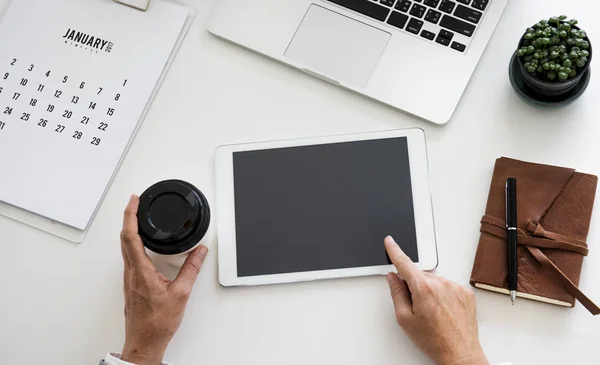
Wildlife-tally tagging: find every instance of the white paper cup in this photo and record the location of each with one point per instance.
(173, 218)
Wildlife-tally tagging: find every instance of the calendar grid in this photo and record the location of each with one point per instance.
(77, 108)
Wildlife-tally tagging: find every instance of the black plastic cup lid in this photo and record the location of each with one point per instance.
(173, 217)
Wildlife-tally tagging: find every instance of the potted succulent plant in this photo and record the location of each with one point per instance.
(554, 54)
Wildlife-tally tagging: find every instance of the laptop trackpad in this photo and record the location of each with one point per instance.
(337, 46)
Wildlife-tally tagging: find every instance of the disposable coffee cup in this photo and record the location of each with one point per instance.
(173, 218)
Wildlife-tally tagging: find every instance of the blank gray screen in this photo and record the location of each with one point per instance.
(322, 207)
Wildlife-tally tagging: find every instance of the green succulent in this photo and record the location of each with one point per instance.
(555, 49)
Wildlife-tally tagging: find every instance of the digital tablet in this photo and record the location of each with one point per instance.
(320, 208)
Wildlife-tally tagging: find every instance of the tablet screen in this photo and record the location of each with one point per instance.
(322, 207)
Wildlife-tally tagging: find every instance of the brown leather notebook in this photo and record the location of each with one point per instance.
(554, 212)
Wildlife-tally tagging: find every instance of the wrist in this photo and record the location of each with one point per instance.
(473, 357)
(143, 354)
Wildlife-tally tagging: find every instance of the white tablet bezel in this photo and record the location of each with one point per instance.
(225, 197)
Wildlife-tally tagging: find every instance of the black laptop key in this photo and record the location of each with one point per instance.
(428, 35)
(403, 5)
(365, 7)
(418, 11)
(433, 16)
(443, 41)
(414, 26)
(447, 6)
(458, 46)
(457, 25)
(387, 2)
(446, 34)
(432, 3)
(469, 14)
(480, 4)
(466, 2)
(397, 19)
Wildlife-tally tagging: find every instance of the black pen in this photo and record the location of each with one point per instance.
(511, 237)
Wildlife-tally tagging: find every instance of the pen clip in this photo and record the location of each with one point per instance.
(506, 203)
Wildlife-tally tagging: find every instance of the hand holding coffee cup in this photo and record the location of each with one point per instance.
(154, 305)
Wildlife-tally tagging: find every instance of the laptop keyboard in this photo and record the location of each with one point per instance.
(434, 20)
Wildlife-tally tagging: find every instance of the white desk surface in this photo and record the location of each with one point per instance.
(62, 303)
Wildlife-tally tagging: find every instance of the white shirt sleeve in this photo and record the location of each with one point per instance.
(115, 359)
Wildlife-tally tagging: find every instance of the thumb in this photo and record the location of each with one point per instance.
(190, 269)
(400, 296)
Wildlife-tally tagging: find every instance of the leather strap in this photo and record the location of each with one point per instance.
(497, 227)
(545, 239)
(537, 230)
(561, 278)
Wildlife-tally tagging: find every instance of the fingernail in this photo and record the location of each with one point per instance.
(203, 252)
(132, 197)
(390, 239)
(390, 277)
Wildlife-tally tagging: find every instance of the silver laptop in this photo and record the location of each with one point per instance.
(417, 56)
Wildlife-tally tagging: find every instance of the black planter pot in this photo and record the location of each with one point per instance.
(553, 88)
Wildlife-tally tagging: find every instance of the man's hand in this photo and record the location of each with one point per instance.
(154, 306)
(438, 315)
